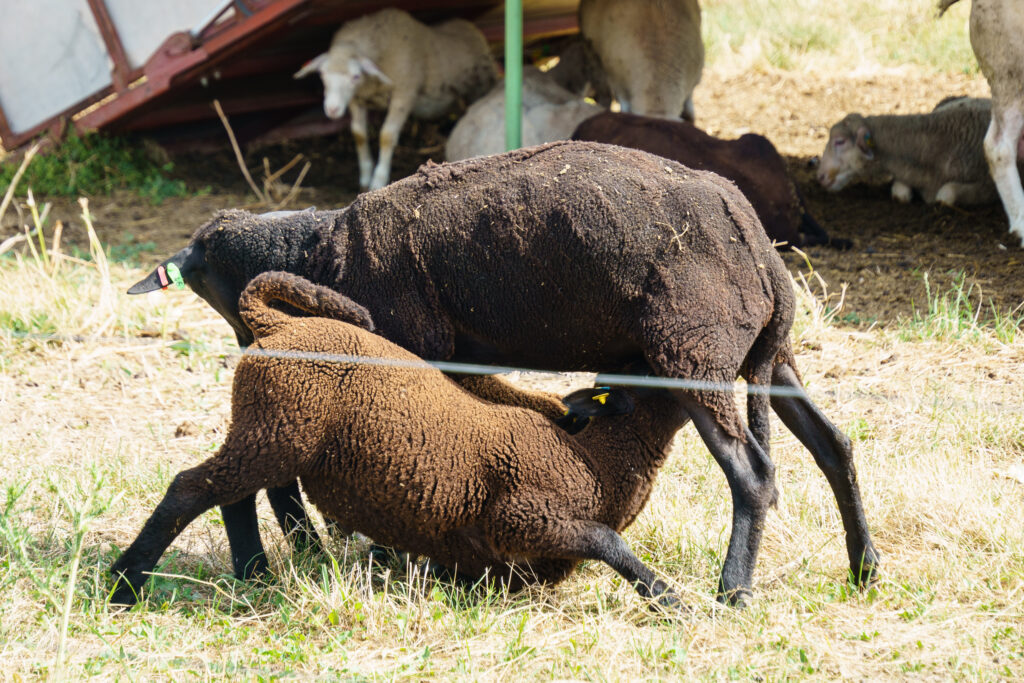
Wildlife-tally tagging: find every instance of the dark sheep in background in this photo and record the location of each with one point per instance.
(752, 162)
(408, 457)
(567, 256)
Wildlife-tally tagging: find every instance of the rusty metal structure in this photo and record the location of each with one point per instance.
(240, 52)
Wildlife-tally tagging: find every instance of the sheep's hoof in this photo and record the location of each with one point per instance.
(864, 576)
(736, 597)
(124, 594)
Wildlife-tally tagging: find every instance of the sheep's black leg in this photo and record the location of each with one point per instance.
(587, 540)
(834, 455)
(291, 516)
(751, 477)
(190, 494)
(247, 555)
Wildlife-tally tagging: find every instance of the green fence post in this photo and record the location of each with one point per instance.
(513, 74)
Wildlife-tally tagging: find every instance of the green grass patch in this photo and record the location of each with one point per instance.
(95, 164)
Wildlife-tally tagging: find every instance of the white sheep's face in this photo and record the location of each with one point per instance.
(843, 160)
(343, 77)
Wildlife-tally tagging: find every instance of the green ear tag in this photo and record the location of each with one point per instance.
(175, 275)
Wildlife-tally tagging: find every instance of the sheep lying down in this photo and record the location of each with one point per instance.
(939, 154)
(567, 256)
(406, 456)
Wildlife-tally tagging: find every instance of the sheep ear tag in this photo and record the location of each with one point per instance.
(174, 273)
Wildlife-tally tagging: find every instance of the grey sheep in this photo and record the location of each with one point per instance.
(567, 256)
(406, 456)
(940, 154)
(996, 30)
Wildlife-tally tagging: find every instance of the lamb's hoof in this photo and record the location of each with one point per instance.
(124, 594)
(664, 599)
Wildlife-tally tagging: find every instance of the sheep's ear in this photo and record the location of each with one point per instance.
(598, 401)
(368, 66)
(162, 276)
(311, 66)
(865, 142)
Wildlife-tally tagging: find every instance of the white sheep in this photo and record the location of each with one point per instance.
(390, 60)
(650, 50)
(997, 27)
(550, 112)
(940, 154)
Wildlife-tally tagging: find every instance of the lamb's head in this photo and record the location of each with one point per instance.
(343, 72)
(226, 253)
(849, 150)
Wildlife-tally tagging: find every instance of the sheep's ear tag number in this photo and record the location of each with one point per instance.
(175, 274)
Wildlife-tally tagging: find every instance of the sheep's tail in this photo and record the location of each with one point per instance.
(769, 348)
(945, 5)
(256, 304)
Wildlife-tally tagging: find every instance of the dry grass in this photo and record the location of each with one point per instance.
(95, 429)
(853, 37)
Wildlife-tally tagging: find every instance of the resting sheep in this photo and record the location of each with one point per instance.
(550, 113)
(939, 154)
(567, 256)
(390, 60)
(751, 162)
(996, 30)
(651, 52)
(404, 455)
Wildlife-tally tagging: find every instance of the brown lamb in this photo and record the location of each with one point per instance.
(751, 161)
(565, 256)
(406, 456)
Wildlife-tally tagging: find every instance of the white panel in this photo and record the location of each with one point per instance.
(51, 56)
(144, 24)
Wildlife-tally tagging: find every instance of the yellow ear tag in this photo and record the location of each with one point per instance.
(601, 398)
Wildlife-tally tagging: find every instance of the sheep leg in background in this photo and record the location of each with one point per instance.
(292, 518)
(398, 112)
(357, 117)
(230, 476)
(751, 477)
(588, 540)
(1001, 142)
(689, 113)
(964, 194)
(834, 456)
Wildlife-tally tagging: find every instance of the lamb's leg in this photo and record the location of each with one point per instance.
(230, 476)
(1001, 142)
(357, 118)
(832, 451)
(751, 477)
(398, 112)
(901, 192)
(588, 540)
(242, 527)
(689, 113)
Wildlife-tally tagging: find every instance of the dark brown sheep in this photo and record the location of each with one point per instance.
(408, 457)
(567, 256)
(752, 162)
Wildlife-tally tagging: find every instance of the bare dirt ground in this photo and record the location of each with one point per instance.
(894, 245)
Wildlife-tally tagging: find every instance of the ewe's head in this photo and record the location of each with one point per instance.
(343, 72)
(850, 148)
(234, 247)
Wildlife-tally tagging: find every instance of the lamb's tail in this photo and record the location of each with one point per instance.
(299, 296)
(768, 348)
